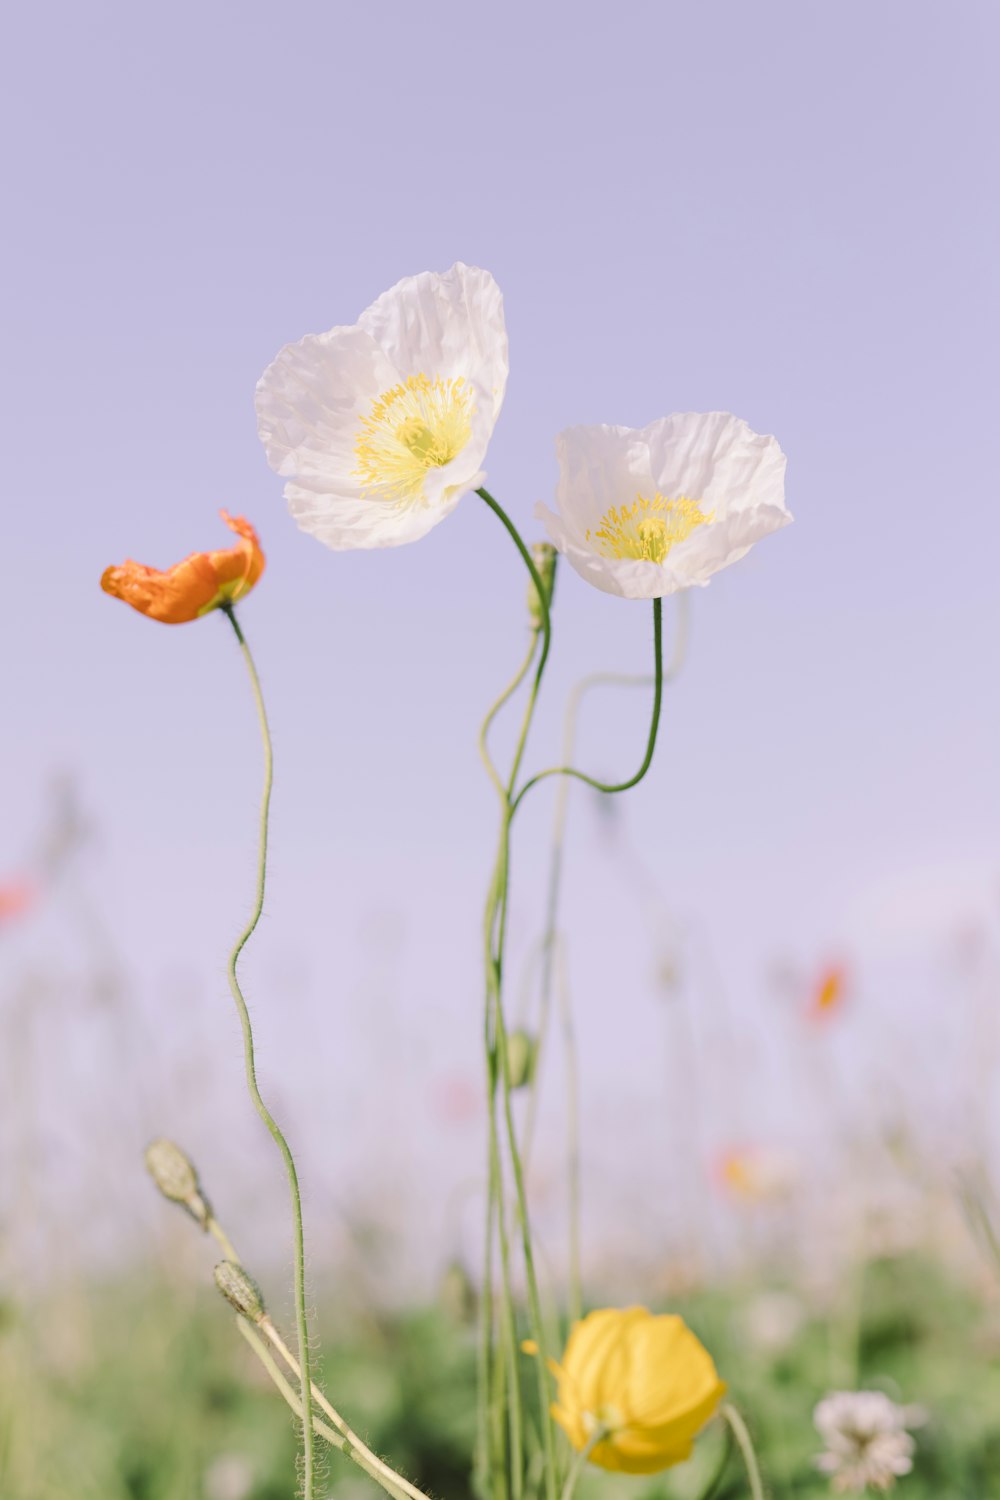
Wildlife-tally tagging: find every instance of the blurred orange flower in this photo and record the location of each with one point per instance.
(756, 1174)
(829, 992)
(16, 896)
(202, 582)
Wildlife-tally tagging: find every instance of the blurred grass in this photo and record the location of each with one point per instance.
(140, 1390)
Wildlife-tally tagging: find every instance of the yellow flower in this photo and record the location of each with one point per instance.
(644, 1379)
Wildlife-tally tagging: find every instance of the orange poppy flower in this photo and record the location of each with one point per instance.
(190, 589)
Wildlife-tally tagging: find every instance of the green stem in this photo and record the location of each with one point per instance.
(549, 942)
(580, 1461)
(745, 1444)
(504, 697)
(496, 1039)
(647, 760)
(715, 1483)
(302, 1326)
(362, 1455)
(270, 1364)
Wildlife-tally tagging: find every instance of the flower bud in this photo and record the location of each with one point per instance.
(544, 556)
(176, 1177)
(240, 1290)
(522, 1054)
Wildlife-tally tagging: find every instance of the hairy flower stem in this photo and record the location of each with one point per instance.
(745, 1444)
(302, 1326)
(386, 1476)
(270, 1364)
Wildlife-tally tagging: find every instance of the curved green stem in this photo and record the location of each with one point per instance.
(504, 697)
(302, 1326)
(647, 760)
(744, 1442)
(529, 563)
(715, 1483)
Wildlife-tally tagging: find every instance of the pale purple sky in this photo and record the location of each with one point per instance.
(787, 211)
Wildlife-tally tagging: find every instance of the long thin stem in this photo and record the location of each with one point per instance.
(745, 1444)
(270, 1364)
(715, 1482)
(386, 1476)
(496, 1030)
(217, 1232)
(647, 759)
(572, 1144)
(301, 1321)
(580, 1460)
(504, 697)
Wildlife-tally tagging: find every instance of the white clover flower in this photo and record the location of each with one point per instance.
(645, 512)
(381, 428)
(868, 1446)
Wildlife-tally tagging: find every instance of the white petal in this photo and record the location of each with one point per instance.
(712, 457)
(716, 459)
(347, 523)
(446, 325)
(310, 400)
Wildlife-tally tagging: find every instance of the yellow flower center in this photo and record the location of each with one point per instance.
(419, 425)
(607, 1418)
(647, 529)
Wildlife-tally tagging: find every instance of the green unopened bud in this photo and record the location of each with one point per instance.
(543, 555)
(176, 1177)
(240, 1290)
(522, 1054)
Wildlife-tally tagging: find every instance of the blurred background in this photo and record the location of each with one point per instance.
(782, 949)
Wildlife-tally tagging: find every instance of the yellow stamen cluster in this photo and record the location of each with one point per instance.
(647, 529)
(418, 425)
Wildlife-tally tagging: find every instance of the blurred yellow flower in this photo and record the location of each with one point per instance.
(642, 1379)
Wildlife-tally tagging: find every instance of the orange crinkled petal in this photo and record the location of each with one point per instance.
(191, 588)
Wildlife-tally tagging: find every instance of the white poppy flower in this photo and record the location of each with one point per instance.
(381, 428)
(645, 512)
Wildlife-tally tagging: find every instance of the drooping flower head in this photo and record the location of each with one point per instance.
(867, 1444)
(202, 582)
(642, 513)
(643, 1378)
(382, 427)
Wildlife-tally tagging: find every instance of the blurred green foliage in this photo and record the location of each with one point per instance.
(140, 1391)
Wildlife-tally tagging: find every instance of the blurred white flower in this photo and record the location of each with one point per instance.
(381, 428)
(772, 1321)
(642, 513)
(868, 1446)
(228, 1477)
